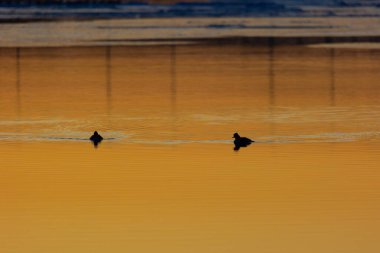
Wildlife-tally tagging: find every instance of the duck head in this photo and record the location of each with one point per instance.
(236, 136)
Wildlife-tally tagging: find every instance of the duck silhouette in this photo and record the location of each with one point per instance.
(241, 141)
(96, 138)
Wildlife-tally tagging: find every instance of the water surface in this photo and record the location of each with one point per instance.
(167, 179)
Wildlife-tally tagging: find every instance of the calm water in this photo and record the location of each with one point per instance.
(167, 179)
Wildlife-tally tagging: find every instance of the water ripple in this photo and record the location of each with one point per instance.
(128, 138)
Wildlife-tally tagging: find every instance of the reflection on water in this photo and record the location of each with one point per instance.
(138, 77)
(279, 73)
(109, 78)
(332, 85)
(271, 73)
(173, 86)
(165, 177)
(18, 82)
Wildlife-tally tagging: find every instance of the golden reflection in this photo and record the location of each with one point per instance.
(166, 178)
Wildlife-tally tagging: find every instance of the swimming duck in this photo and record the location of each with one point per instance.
(96, 138)
(241, 141)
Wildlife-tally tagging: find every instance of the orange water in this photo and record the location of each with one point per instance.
(166, 177)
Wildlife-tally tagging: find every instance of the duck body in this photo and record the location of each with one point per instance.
(96, 138)
(241, 141)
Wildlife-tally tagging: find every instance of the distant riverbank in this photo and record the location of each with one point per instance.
(257, 31)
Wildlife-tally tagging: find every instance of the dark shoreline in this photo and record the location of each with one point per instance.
(222, 41)
(264, 41)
